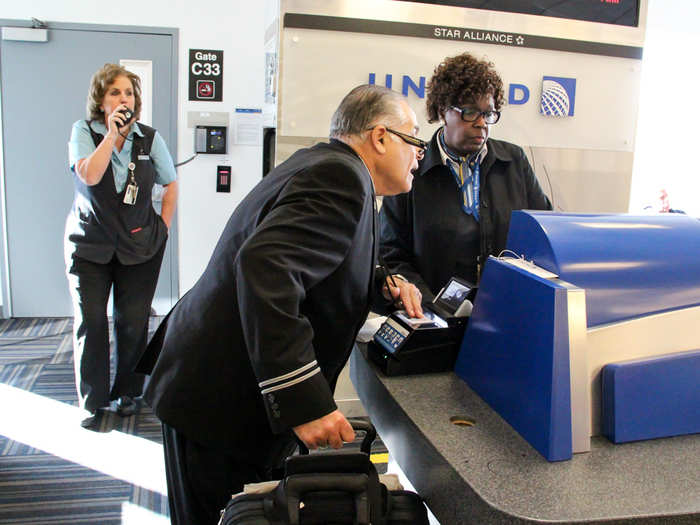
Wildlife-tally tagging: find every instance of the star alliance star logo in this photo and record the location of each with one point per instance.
(520, 40)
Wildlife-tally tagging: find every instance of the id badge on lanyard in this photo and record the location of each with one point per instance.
(132, 189)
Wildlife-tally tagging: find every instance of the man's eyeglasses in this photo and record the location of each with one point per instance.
(408, 139)
(470, 115)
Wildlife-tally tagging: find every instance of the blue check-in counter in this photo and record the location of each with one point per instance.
(488, 474)
(573, 294)
(585, 334)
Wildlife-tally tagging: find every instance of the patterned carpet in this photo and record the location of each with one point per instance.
(53, 472)
(60, 473)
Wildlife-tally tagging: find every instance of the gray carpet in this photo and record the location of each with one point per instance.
(54, 472)
(52, 485)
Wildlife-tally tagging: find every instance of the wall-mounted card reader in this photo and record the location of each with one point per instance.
(223, 179)
(404, 345)
(210, 139)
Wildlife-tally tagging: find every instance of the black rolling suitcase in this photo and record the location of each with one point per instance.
(329, 488)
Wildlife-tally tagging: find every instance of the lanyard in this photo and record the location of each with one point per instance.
(469, 185)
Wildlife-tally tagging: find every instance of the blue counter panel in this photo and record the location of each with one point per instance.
(515, 355)
(630, 266)
(652, 397)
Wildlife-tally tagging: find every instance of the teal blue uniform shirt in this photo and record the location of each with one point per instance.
(82, 146)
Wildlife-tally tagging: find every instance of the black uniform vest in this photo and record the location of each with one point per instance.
(100, 225)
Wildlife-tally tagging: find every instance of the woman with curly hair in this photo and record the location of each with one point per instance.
(466, 187)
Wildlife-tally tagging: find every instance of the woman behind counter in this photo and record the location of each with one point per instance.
(466, 186)
(114, 238)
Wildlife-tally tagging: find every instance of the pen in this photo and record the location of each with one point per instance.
(387, 275)
(391, 278)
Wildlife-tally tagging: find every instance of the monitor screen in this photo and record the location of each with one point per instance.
(453, 295)
(618, 12)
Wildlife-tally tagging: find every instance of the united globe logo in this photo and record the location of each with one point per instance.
(555, 100)
(558, 96)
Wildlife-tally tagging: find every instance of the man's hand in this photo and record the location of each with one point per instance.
(406, 296)
(332, 429)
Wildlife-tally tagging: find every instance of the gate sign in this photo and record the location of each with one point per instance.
(206, 74)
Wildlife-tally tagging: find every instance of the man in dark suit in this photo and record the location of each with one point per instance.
(250, 355)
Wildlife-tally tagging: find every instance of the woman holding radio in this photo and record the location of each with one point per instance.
(114, 239)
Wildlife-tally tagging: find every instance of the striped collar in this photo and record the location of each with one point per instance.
(445, 157)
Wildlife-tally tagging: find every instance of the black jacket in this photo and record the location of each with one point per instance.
(257, 344)
(425, 235)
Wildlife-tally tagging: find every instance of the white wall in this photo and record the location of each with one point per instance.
(237, 28)
(572, 157)
(667, 135)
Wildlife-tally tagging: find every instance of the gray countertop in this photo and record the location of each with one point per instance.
(488, 474)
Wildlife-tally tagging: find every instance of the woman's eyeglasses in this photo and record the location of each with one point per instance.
(470, 115)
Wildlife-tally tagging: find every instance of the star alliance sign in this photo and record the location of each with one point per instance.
(473, 35)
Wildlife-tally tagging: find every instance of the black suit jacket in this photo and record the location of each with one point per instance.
(257, 344)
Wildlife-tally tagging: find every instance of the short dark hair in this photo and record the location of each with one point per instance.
(460, 80)
(101, 80)
(363, 107)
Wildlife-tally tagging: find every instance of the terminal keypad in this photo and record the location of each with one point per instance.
(389, 336)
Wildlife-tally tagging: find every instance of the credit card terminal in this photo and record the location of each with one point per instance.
(405, 345)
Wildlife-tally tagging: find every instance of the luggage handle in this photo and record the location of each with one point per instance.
(296, 486)
(357, 424)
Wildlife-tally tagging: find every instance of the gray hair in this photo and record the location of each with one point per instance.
(364, 107)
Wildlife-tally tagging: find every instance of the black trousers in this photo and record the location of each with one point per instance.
(134, 287)
(202, 480)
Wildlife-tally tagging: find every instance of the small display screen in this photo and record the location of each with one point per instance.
(453, 295)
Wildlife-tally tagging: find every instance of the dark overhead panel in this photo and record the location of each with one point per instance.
(619, 12)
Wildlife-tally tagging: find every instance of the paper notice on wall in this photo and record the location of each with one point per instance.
(248, 126)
